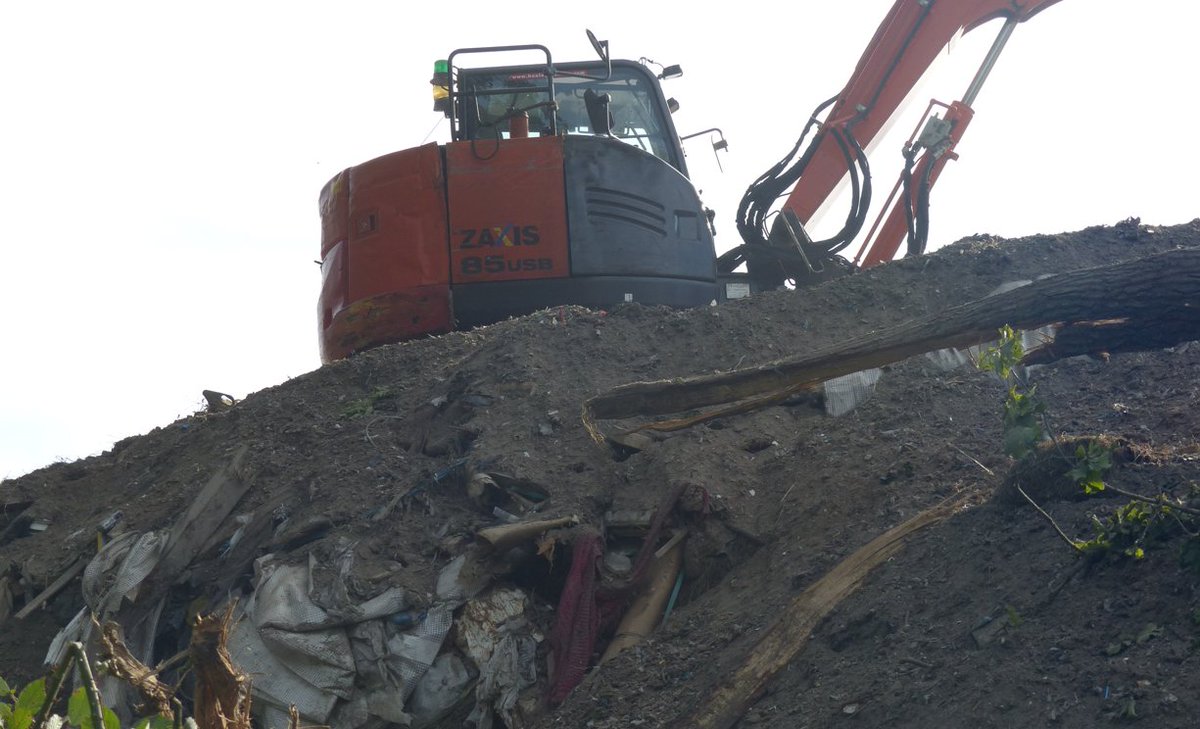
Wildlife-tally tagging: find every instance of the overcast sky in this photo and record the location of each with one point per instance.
(161, 161)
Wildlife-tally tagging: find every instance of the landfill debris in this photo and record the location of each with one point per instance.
(123, 665)
(336, 659)
(448, 684)
(222, 696)
(217, 401)
(845, 393)
(648, 609)
(500, 538)
(495, 634)
(386, 494)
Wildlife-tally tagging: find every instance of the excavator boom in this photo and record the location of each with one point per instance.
(911, 36)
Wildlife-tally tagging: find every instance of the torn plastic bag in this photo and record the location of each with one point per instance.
(119, 569)
(445, 684)
(494, 633)
(509, 670)
(340, 663)
(411, 653)
(462, 579)
(481, 618)
(294, 629)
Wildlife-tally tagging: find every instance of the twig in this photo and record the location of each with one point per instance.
(1183, 526)
(171, 662)
(89, 683)
(785, 495)
(57, 678)
(1150, 500)
(1052, 589)
(986, 470)
(1050, 519)
(915, 662)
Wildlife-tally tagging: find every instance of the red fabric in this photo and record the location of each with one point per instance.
(585, 606)
(577, 622)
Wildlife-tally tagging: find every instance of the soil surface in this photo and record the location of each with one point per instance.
(988, 619)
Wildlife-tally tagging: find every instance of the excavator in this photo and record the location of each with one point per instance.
(566, 183)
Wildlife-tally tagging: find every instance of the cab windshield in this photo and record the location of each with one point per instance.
(634, 106)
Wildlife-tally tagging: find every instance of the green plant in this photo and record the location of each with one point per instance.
(30, 708)
(1091, 463)
(1004, 357)
(1123, 532)
(369, 404)
(18, 708)
(1129, 528)
(1022, 421)
(1024, 413)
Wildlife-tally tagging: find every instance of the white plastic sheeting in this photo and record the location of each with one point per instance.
(112, 576)
(494, 632)
(843, 394)
(341, 663)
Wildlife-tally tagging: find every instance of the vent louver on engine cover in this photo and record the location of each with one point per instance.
(606, 204)
(629, 213)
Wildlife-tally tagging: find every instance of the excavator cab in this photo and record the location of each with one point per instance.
(634, 113)
(562, 184)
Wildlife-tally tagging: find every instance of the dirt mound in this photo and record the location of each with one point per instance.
(397, 458)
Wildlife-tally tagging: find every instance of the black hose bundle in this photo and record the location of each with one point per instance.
(755, 207)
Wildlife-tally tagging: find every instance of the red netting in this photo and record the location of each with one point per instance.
(585, 606)
(578, 620)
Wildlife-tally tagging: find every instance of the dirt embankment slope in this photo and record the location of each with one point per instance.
(987, 619)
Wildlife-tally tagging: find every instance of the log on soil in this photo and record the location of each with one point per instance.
(789, 634)
(1148, 303)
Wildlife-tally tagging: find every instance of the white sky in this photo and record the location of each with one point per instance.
(161, 161)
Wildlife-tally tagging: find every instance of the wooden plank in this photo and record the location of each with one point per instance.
(55, 587)
(211, 507)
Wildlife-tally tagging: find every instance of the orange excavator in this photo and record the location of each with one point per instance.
(566, 183)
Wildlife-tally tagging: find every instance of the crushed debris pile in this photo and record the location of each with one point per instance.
(427, 535)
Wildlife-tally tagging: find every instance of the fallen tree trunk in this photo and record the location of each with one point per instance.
(1151, 302)
(789, 634)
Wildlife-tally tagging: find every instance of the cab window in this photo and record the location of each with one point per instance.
(636, 113)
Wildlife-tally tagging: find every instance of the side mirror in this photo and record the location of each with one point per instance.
(601, 48)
